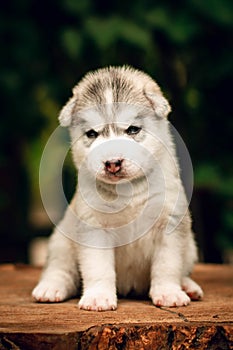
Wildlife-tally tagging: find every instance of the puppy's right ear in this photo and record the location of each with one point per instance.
(66, 114)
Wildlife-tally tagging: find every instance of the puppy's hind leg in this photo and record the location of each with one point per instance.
(60, 278)
(192, 289)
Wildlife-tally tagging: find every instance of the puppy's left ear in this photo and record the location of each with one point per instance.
(66, 114)
(157, 100)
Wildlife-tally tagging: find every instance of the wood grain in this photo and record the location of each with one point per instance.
(136, 324)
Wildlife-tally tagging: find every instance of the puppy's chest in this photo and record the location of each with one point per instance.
(111, 210)
(119, 215)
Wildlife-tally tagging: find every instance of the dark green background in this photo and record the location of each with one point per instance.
(47, 46)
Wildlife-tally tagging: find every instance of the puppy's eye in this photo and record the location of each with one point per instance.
(133, 130)
(92, 134)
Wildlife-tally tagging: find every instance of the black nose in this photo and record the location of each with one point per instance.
(113, 166)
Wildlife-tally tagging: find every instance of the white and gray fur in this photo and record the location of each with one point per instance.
(109, 101)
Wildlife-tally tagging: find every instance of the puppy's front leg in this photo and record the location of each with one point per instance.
(99, 279)
(166, 274)
(60, 278)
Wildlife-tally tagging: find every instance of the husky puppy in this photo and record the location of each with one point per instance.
(127, 229)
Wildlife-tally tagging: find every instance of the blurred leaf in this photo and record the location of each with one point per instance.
(47, 106)
(220, 11)
(208, 176)
(103, 31)
(228, 218)
(77, 6)
(179, 27)
(72, 42)
(106, 32)
(193, 98)
(136, 35)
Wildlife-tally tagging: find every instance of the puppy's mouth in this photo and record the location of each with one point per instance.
(115, 177)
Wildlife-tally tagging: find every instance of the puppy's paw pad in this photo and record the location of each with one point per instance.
(98, 301)
(193, 290)
(169, 297)
(46, 292)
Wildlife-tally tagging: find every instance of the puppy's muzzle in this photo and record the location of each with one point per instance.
(113, 166)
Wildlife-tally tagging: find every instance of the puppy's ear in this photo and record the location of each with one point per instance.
(65, 116)
(157, 100)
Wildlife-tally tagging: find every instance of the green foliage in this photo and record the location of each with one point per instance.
(210, 177)
(116, 28)
(185, 45)
(72, 43)
(220, 12)
(180, 29)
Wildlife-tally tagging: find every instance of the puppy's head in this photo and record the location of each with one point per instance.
(114, 115)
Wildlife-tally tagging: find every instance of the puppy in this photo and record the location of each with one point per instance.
(127, 228)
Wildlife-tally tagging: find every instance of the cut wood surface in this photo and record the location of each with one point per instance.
(136, 324)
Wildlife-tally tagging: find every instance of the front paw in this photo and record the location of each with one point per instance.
(98, 300)
(50, 292)
(169, 295)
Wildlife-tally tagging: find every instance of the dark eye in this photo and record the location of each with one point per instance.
(92, 134)
(133, 130)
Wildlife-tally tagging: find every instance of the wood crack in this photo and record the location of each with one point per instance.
(179, 314)
(9, 344)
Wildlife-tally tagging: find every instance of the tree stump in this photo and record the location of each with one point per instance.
(136, 324)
